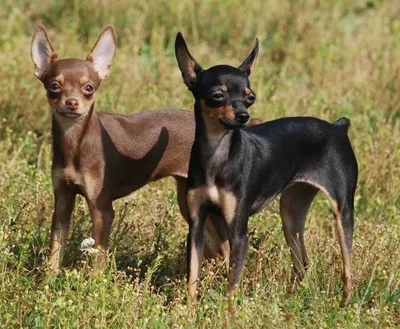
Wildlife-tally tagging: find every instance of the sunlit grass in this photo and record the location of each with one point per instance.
(321, 58)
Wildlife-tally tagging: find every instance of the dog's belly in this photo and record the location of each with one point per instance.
(260, 203)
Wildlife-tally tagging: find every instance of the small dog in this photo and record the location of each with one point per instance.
(107, 156)
(235, 171)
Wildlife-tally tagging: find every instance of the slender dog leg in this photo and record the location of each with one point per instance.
(216, 241)
(102, 214)
(195, 246)
(294, 205)
(64, 202)
(195, 240)
(238, 239)
(345, 226)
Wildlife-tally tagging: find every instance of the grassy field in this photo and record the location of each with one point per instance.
(321, 58)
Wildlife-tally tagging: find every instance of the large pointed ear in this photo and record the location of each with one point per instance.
(248, 64)
(42, 52)
(187, 64)
(103, 52)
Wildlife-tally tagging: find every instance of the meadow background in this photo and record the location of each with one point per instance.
(321, 58)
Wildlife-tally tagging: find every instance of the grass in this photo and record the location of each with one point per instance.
(321, 58)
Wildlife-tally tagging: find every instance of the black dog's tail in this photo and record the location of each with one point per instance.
(343, 123)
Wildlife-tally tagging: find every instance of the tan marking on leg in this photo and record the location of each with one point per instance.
(347, 270)
(194, 200)
(83, 79)
(60, 78)
(195, 266)
(225, 199)
(228, 204)
(225, 249)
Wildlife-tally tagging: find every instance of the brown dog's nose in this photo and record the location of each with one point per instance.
(72, 104)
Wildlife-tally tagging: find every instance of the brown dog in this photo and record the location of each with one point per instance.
(107, 156)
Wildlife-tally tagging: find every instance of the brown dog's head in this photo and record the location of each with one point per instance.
(72, 83)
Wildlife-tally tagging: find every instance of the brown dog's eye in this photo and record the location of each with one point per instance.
(88, 89)
(55, 87)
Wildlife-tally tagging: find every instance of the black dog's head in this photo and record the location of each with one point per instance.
(222, 91)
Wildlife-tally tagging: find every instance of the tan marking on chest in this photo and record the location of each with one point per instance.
(218, 196)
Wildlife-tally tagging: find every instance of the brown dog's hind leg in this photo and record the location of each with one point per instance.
(102, 214)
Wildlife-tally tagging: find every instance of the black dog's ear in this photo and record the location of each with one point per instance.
(248, 64)
(187, 64)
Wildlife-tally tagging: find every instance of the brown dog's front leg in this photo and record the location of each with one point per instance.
(102, 214)
(64, 202)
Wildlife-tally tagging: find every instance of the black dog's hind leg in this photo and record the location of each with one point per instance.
(344, 219)
(294, 205)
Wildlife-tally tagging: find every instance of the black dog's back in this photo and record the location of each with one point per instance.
(298, 149)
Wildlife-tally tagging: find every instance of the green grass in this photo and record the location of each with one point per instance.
(322, 58)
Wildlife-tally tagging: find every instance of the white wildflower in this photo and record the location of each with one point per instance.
(87, 247)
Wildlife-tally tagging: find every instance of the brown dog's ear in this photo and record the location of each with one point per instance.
(248, 64)
(103, 52)
(42, 52)
(187, 64)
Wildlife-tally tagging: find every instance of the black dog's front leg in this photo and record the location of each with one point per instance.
(238, 239)
(195, 239)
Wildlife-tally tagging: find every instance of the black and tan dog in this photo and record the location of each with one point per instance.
(235, 171)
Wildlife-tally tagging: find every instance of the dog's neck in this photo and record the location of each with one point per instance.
(68, 134)
(213, 141)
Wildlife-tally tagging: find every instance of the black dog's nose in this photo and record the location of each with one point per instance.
(242, 117)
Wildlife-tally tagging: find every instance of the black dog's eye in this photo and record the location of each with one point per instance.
(88, 89)
(218, 96)
(251, 98)
(55, 87)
